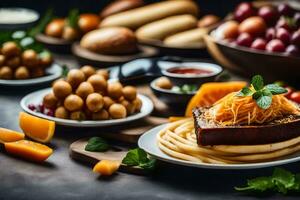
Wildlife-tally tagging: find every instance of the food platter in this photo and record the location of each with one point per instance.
(55, 44)
(52, 73)
(148, 142)
(36, 98)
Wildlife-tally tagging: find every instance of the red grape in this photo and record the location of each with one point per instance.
(283, 35)
(244, 39)
(292, 50)
(270, 34)
(285, 9)
(268, 13)
(32, 107)
(283, 23)
(275, 45)
(243, 11)
(259, 44)
(295, 39)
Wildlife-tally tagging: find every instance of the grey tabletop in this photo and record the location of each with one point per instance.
(63, 178)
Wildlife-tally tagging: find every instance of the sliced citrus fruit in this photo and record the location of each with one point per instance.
(106, 167)
(209, 93)
(29, 150)
(7, 135)
(36, 128)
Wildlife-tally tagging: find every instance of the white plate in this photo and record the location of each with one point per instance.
(148, 142)
(52, 73)
(37, 97)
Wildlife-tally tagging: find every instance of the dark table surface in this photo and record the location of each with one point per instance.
(63, 178)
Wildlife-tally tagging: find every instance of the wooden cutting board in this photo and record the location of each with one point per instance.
(116, 153)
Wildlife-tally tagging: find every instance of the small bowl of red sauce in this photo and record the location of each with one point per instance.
(192, 72)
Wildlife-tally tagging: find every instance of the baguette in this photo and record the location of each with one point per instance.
(120, 6)
(161, 29)
(189, 38)
(140, 16)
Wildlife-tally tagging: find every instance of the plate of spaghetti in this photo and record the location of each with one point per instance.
(252, 128)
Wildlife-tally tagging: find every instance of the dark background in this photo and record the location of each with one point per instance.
(61, 7)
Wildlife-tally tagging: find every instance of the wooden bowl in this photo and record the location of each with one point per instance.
(54, 44)
(248, 62)
(85, 56)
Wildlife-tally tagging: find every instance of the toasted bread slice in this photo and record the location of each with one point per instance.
(212, 133)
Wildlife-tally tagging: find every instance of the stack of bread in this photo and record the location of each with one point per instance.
(171, 23)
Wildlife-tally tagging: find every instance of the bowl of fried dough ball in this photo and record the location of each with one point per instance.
(86, 94)
(18, 64)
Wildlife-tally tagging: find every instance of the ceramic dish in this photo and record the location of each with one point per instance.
(22, 18)
(148, 142)
(196, 79)
(52, 73)
(37, 97)
(170, 96)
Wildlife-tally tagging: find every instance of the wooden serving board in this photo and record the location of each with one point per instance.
(117, 153)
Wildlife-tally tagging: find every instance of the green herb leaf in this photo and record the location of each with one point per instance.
(138, 157)
(72, 19)
(245, 92)
(259, 184)
(65, 71)
(264, 102)
(283, 179)
(257, 82)
(276, 89)
(97, 144)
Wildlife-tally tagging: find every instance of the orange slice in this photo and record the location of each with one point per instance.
(36, 128)
(209, 93)
(28, 150)
(7, 135)
(106, 167)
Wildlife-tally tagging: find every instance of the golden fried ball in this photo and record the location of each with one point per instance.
(84, 89)
(129, 93)
(30, 58)
(55, 27)
(103, 72)
(61, 89)
(98, 82)
(117, 111)
(50, 100)
(88, 71)
(101, 115)
(13, 62)
(108, 102)
(6, 72)
(73, 103)
(130, 107)
(61, 112)
(75, 77)
(138, 104)
(164, 83)
(22, 73)
(45, 60)
(10, 49)
(114, 90)
(77, 115)
(37, 72)
(2, 60)
(94, 102)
